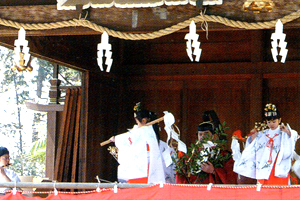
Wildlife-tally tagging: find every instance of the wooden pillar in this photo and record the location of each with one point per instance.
(184, 112)
(50, 150)
(54, 95)
(256, 98)
(256, 82)
(82, 154)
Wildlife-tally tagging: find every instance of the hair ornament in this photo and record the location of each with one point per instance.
(270, 110)
(137, 107)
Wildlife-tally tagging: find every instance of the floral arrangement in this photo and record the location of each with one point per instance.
(113, 151)
(208, 149)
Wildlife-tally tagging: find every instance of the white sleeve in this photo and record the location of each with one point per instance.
(12, 175)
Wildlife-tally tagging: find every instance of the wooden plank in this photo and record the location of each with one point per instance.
(76, 138)
(63, 137)
(43, 107)
(83, 134)
(60, 141)
(148, 18)
(70, 132)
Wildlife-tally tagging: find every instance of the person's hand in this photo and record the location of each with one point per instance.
(253, 134)
(207, 167)
(5, 178)
(112, 139)
(2, 171)
(285, 129)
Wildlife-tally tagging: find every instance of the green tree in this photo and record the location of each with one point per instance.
(15, 81)
(15, 89)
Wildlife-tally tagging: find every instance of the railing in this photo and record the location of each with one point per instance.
(65, 185)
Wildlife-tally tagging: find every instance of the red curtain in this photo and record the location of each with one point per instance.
(178, 192)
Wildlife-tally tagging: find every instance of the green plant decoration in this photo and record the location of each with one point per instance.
(208, 149)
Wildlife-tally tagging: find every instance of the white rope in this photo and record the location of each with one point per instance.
(152, 35)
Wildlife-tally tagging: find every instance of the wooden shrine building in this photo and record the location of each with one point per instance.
(235, 76)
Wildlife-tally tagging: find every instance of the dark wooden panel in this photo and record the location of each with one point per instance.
(103, 115)
(292, 38)
(220, 47)
(228, 97)
(285, 94)
(231, 104)
(156, 96)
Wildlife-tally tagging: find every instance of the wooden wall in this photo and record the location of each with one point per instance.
(187, 99)
(235, 77)
(103, 113)
(237, 99)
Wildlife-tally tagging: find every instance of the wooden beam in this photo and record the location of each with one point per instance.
(27, 2)
(148, 21)
(190, 70)
(51, 143)
(44, 107)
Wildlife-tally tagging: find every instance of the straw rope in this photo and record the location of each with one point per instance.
(150, 35)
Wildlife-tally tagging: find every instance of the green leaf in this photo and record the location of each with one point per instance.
(189, 164)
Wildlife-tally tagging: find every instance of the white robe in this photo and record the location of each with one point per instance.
(254, 159)
(11, 175)
(134, 158)
(169, 166)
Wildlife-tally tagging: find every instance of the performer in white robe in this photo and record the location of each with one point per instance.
(139, 155)
(168, 153)
(267, 155)
(134, 159)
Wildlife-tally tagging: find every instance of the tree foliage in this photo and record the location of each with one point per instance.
(25, 131)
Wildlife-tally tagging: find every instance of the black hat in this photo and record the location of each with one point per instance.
(206, 126)
(271, 112)
(3, 151)
(212, 123)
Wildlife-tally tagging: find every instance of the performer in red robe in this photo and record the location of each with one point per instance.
(221, 175)
(215, 175)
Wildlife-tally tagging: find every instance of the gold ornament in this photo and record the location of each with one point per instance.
(258, 6)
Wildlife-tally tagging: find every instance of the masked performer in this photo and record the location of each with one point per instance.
(267, 155)
(138, 151)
